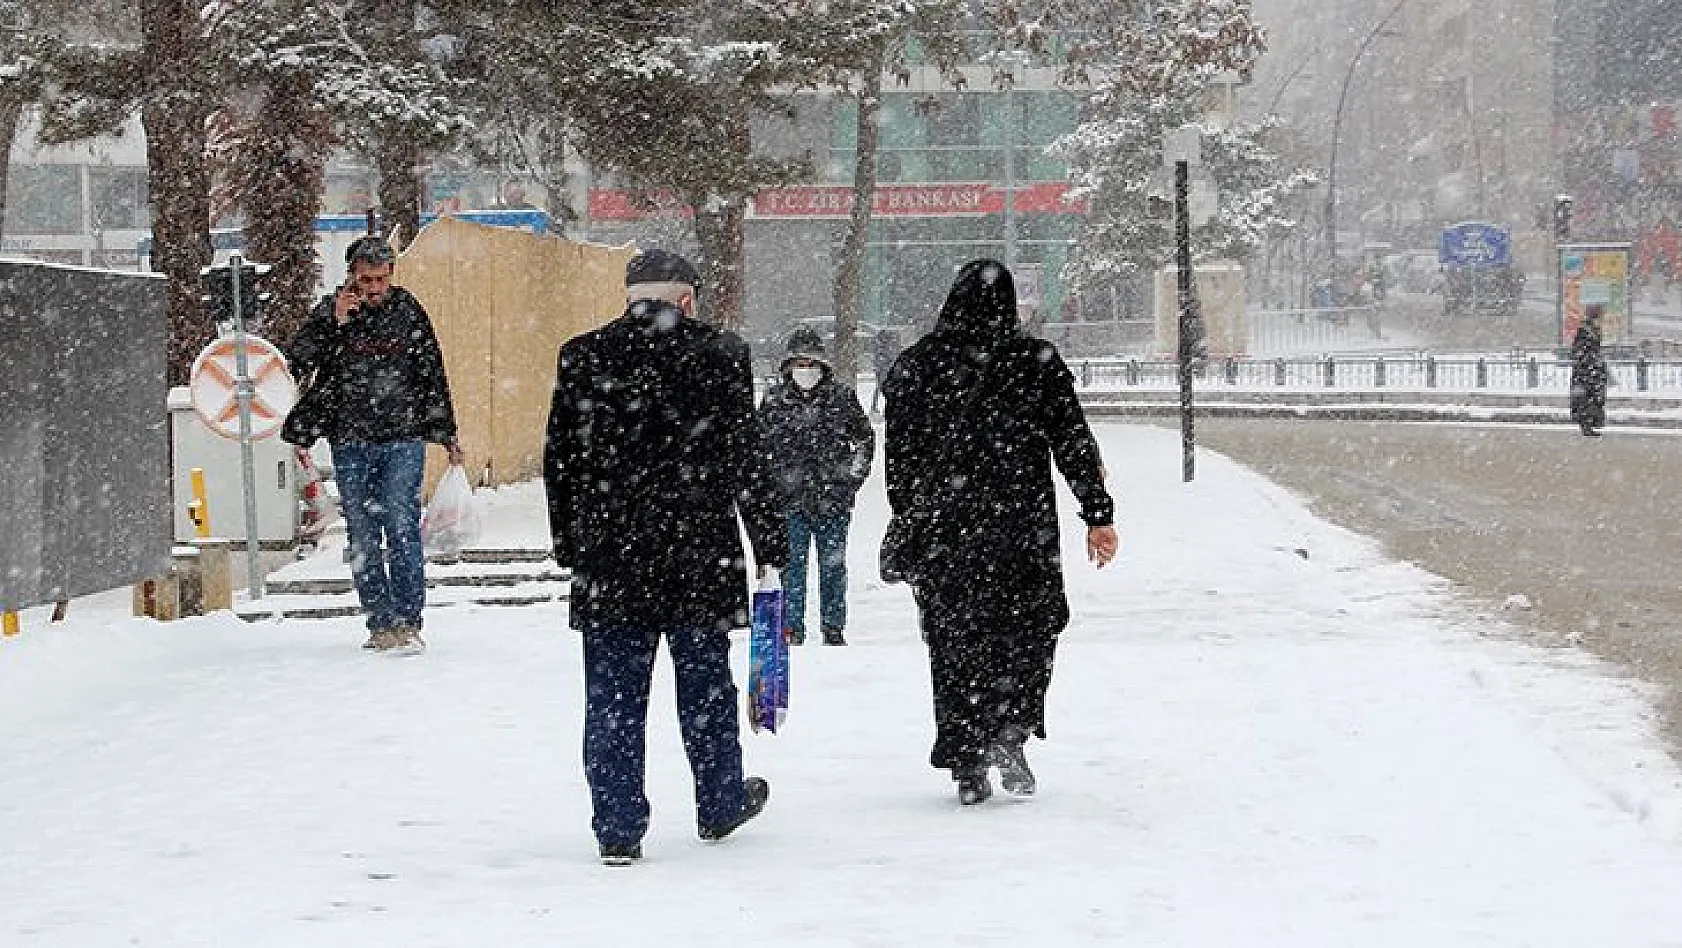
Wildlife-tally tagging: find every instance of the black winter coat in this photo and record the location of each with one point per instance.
(982, 474)
(652, 450)
(378, 378)
(1588, 377)
(821, 444)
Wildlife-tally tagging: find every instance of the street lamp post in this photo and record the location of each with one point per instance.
(1018, 61)
(1010, 176)
(1194, 203)
(1337, 129)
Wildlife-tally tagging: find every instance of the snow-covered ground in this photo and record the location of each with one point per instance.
(1263, 733)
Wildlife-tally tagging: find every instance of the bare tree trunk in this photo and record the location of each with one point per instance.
(281, 167)
(399, 158)
(719, 231)
(178, 174)
(552, 174)
(400, 187)
(849, 272)
(11, 111)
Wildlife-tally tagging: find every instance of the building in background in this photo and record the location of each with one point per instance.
(84, 204)
(1617, 100)
(87, 203)
(1448, 115)
(961, 174)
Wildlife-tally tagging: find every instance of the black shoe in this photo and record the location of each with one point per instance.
(795, 636)
(758, 790)
(833, 637)
(1590, 432)
(973, 787)
(620, 855)
(1014, 775)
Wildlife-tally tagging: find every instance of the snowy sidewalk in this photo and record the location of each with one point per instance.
(1250, 747)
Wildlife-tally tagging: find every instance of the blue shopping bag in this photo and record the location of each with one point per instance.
(767, 658)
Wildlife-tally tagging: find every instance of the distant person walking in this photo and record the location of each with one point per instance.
(652, 451)
(821, 445)
(374, 387)
(1589, 375)
(977, 412)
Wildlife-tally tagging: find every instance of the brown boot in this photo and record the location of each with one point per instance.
(380, 640)
(406, 639)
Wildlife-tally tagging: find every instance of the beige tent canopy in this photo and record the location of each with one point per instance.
(503, 301)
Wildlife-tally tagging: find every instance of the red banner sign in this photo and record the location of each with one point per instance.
(608, 204)
(836, 201)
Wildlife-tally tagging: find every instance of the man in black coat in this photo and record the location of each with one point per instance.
(652, 450)
(977, 412)
(374, 387)
(821, 443)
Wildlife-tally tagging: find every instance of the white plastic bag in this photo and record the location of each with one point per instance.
(451, 522)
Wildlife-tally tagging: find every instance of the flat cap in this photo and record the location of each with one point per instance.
(660, 266)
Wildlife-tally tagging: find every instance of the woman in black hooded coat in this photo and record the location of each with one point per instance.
(1589, 375)
(976, 413)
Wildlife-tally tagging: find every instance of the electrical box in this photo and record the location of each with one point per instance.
(195, 445)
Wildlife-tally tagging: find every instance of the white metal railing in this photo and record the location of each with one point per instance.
(1417, 372)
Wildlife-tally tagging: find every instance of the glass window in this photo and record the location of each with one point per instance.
(348, 193)
(119, 198)
(44, 199)
(115, 259)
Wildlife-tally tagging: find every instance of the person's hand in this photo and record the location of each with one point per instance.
(1101, 545)
(346, 302)
(458, 454)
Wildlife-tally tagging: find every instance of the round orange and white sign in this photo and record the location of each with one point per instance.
(214, 391)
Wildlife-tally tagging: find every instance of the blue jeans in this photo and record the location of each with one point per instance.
(830, 534)
(618, 669)
(379, 493)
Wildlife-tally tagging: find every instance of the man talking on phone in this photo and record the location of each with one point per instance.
(374, 387)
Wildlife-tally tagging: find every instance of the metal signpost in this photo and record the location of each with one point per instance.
(1194, 198)
(243, 390)
(231, 298)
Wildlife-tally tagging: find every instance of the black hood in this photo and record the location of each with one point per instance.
(982, 301)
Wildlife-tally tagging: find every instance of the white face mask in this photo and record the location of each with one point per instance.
(807, 378)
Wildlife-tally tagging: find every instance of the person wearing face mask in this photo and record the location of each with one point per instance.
(821, 444)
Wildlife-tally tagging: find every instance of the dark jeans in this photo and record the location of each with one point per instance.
(990, 679)
(618, 669)
(830, 536)
(379, 492)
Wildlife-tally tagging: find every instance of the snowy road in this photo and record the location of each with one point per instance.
(1249, 747)
(1571, 524)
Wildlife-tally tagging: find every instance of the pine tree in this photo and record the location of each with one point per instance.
(849, 45)
(159, 67)
(1152, 71)
(524, 83)
(310, 76)
(25, 49)
(668, 106)
(1115, 155)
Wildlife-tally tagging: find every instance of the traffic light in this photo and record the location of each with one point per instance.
(1562, 216)
(219, 291)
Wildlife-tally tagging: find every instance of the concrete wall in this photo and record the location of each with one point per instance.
(84, 472)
